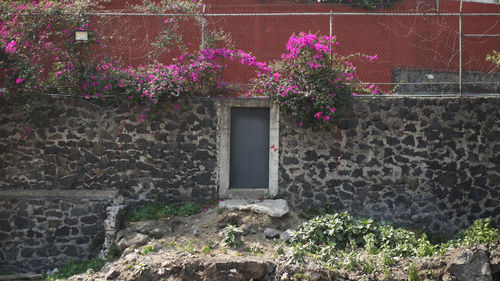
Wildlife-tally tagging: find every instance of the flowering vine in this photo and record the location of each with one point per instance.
(312, 80)
(37, 45)
(39, 56)
(189, 76)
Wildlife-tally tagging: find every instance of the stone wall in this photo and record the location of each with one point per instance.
(91, 147)
(38, 234)
(431, 162)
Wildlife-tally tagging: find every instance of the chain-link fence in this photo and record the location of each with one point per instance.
(432, 53)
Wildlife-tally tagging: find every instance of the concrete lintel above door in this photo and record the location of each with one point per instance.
(224, 146)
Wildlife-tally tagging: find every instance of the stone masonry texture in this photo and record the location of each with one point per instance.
(429, 162)
(41, 234)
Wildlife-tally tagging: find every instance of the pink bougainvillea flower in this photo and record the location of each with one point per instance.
(11, 47)
(19, 80)
(276, 76)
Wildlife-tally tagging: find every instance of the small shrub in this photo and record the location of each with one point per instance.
(279, 250)
(425, 248)
(338, 229)
(142, 269)
(74, 268)
(371, 243)
(387, 273)
(254, 248)
(301, 276)
(159, 210)
(299, 252)
(479, 232)
(113, 251)
(350, 261)
(386, 256)
(167, 210)
(148, 212)
(232, 236)
(148, 249)
(333, 237)
(413, 273)
(188, 210)
(369, 266)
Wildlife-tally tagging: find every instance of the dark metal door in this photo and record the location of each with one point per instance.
(249, 153)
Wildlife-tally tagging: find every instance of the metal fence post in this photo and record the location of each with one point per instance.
(460, 49)
(203, 28)
(331, 23)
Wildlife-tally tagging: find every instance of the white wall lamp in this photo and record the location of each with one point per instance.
(430, 77)
(82, 35)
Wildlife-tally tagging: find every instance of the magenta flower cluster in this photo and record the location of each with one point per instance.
(312, 80)
(190, 76)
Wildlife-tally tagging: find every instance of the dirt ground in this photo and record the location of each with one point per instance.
(190, 248)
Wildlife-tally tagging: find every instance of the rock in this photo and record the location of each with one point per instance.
(273, 208)
(134, 239)
(74, 154)
(271, 233)
(146, 227)
(98, 149)
(112, 274)
(495, 260)
(234, 275)
(470, 264)
(448, 277)
(195, 231)
(245, 229)
(254, 270)
(285, 277)
(231, 218)
(287, 235)
(156, 233)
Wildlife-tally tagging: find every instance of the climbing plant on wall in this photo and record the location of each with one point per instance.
(40, 56)
(312, 80)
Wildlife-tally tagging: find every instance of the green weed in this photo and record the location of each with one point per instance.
(148, 249)
(334, 237)
(206, 249)
(159, 210)
(232, 236)
(413, 273)
(74, 268)
(189, 248)
(369, 266)
(279, 250)
(479, 232)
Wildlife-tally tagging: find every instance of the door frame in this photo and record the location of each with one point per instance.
(224, 148)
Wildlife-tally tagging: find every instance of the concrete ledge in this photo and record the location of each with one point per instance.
(247, 193)
(59, 194)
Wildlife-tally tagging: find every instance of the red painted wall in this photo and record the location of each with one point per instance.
(428, 42)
